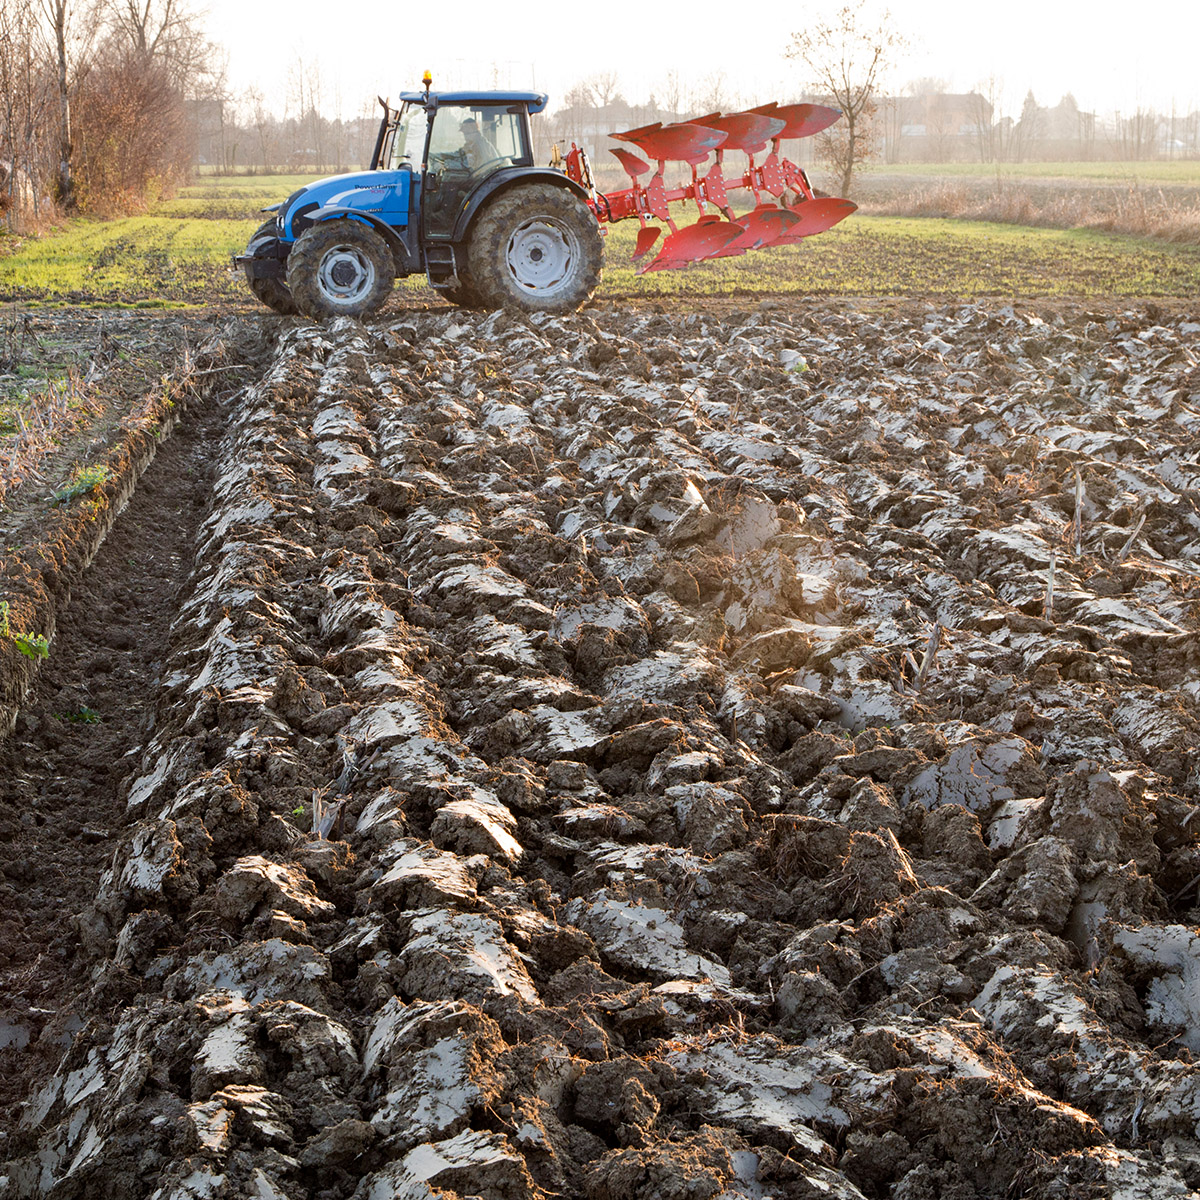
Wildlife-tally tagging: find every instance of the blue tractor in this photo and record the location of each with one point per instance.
(453, 193)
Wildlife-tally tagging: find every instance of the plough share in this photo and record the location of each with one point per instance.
(718, 232)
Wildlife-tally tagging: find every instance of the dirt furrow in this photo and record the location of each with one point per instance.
(665, 756)
(92, 707)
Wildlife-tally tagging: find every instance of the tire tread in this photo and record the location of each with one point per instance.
(487, 249)
(274, 293)
(305, 260)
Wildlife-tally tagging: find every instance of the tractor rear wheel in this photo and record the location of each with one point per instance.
(536, 247)
(340, 269)
(273, 293)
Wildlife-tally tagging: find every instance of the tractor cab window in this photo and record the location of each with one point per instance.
(408, 138)
(477, 139)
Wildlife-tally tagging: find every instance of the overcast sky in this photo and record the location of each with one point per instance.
(1110, 56)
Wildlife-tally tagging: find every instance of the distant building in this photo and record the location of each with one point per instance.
(934, 126)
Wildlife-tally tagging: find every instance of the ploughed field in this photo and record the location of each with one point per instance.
(642, 755)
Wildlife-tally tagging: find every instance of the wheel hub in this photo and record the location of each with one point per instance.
(543, 255)
(346, 274)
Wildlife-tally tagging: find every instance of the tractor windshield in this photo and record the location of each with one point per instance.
(408, 140)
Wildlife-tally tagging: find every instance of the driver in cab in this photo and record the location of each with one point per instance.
(477, 149)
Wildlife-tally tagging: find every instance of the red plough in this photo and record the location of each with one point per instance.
(786, 207)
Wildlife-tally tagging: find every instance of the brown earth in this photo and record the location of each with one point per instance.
(641, 754)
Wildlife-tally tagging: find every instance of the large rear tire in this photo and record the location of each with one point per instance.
(340, 269)
(536, 247)
(273, 293)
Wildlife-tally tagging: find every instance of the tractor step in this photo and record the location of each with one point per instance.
(441, 266)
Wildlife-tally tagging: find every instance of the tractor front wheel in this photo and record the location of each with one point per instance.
(340, 269)
(272, 292)
(536, 247)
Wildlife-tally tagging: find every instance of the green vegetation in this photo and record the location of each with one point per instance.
(238, 197)
(84, 480)
(32, 645)
(256, 190)
(888, 256)
(131, 260)
(83, 715)
(180, 253)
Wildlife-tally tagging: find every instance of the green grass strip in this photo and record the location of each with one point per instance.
(166, 260)
(888, 256)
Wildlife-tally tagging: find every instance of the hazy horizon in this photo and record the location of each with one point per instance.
(1108, 63)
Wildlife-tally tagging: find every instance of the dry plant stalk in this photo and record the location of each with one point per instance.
(1130, 540)
(931, 649)
(1048, 603)
(49, 413)
(1134, 211)
(1078, 521)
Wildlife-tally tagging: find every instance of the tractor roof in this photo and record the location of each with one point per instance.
(535, 101)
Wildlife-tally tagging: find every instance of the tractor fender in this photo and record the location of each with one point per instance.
(389, 232)
(501, 181)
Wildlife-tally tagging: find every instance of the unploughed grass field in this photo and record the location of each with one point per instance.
(179, 254)
(1116, 173)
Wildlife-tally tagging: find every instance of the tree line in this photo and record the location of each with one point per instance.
(95, 101)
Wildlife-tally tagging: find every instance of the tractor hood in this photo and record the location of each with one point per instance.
(382, 195)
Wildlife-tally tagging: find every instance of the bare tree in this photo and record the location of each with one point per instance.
(58, 14)
(573, 119)
(150, 26)
(889, 121)
(1029, 128)
(846, 57)
(1086, 135)
(929, 108)
(257, 116)
(132, 136)
(998, 136)
(1190, 135)
(604, 88)
(1137, 136)
(674, 99)
(167, 32)
(130, 118)
(714, 97)
(212, 96)
(24, 101)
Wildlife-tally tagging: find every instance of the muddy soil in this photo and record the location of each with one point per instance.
(638, 755)
(64, 766)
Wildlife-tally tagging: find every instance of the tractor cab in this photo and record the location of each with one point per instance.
(457, 141)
